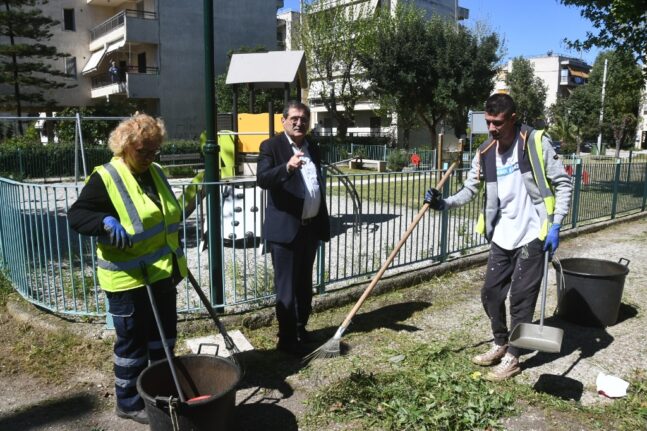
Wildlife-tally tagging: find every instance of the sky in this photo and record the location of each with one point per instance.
(530, 27)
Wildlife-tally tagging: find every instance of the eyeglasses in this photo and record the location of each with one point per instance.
(143, 152)
(296, 120)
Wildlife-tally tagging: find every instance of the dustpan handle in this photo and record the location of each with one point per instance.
(544, 288)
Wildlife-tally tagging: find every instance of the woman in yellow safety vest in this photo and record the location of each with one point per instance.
(130, 206)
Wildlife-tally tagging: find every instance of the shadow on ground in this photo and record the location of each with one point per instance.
(49, 413)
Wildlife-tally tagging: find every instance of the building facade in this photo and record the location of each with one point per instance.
(559, 73)
(367, 121)
(157, 50)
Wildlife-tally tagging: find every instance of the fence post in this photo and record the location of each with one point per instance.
(444, 223)
(616, 184)
(385, 152)
(321, 253)
(578, 189)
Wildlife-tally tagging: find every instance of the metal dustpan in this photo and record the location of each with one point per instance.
(538, 337)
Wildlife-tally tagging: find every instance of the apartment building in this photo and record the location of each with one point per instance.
(560, 74)
(367, 121)
(158, 49)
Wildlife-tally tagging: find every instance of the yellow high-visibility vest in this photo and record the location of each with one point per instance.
(154, 232)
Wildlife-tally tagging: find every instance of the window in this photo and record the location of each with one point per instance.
(68, 20)
(70, 67)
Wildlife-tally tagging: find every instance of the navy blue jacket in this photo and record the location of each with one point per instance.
(287, 192)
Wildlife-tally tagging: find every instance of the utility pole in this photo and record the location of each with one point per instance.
(604, 85)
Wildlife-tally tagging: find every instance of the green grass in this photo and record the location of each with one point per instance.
(435, 387)
(6, 289)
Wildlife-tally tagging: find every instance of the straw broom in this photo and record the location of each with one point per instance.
(332, 347)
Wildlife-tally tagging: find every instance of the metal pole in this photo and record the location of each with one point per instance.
(212, 165)
(604, 85)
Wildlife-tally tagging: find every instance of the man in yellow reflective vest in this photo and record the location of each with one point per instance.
(527, 195)
(130, 206)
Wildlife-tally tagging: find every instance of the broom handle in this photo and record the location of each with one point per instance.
(395, 251)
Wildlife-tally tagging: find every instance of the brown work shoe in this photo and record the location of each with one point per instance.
(492, 356)
(509, 367)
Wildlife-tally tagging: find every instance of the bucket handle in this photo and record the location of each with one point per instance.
(217, 346)
(622, 261)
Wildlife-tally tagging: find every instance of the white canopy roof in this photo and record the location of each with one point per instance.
(271, 69)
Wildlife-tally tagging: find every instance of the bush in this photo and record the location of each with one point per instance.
(397, 160)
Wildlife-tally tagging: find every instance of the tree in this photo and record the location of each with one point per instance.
(575, 118)
(622, 94)
(25, 62)
(224, 97)
(429, 67)
(620, 25)
(332, 37)
(527, 90)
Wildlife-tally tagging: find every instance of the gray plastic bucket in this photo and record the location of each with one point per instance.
(590, 291)
(211, 377)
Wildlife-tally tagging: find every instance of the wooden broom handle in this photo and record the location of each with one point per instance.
(395, 251)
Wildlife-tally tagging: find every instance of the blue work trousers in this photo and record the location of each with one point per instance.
(138, 340)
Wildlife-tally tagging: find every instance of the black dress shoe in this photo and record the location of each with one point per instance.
(293, 348)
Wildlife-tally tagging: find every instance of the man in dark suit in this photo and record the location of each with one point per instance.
(296, 219)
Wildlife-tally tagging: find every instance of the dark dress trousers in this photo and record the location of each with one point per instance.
(292, 241)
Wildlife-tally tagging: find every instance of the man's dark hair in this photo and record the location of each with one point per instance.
(500, 103)
(293, 104)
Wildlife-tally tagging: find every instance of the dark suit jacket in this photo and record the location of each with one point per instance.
(287, 192)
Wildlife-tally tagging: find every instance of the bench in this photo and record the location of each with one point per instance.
(192, 160)
(358, 162)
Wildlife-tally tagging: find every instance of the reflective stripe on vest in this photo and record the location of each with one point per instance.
(537, 162)
(154, 231)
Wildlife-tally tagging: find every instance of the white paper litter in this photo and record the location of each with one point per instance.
(611, 386)
(215, 344)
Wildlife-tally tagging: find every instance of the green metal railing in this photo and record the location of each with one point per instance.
(52, 266)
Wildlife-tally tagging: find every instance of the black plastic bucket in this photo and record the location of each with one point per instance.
(199, 375)
(590, 291)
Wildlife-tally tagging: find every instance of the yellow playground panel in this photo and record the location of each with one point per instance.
(254, 129)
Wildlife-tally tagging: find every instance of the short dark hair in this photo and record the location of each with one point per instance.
(293, 104)
(500, 103)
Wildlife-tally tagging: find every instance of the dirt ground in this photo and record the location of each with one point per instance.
(275, 387)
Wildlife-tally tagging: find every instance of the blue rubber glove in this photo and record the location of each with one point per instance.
(434, 198)
(118, 236)
(552, 239)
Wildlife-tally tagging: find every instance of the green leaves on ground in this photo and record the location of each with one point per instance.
(433, 388)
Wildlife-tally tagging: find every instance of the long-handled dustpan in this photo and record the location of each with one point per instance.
(538, 337)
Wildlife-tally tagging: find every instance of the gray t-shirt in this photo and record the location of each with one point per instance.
(518, 222)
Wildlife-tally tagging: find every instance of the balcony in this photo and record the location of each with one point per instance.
(130, 25)
(136, 83)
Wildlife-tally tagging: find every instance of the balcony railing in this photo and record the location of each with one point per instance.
(104, 79)
(118, 21)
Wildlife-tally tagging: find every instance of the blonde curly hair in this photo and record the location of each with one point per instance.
(138, 128)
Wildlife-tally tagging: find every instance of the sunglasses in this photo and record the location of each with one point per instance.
(143, 152)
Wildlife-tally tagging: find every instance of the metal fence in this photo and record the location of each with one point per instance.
(53, 267)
